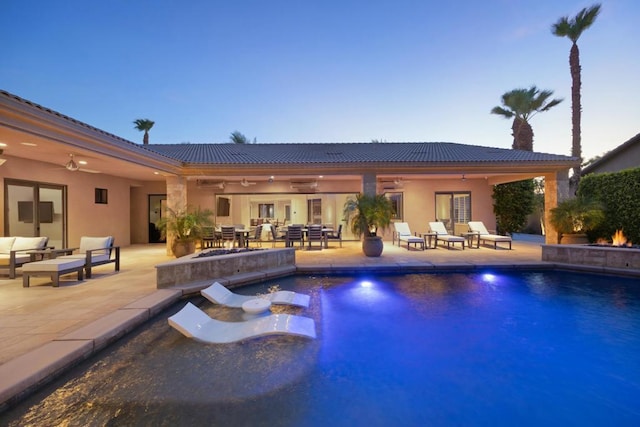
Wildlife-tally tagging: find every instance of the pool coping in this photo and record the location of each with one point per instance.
(25, 374)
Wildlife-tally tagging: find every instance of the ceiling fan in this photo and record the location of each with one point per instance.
(73, 166)
(244, 182)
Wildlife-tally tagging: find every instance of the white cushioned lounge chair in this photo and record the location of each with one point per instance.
(484, 235)
(403, 234)
(96, 251)
(195, 323)
(218, 294)
(443, 235)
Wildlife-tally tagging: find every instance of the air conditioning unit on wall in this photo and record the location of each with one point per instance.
(209, 183)
(309, 186)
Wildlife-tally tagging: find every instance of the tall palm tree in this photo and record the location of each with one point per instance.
(522, 105)
(144, 125)
(573, 28)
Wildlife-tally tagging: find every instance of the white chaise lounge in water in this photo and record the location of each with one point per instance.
(219, 294)
(195, 323)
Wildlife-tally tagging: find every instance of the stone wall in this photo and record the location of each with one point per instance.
(594, 257)
(190, 269)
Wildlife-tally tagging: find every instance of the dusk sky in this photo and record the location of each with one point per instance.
(323, 71)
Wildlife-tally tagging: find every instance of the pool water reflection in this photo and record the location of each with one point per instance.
(528, 348)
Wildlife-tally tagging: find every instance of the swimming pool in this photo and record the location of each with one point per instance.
(526, 348)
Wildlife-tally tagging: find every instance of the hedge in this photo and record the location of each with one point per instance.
(619, 194)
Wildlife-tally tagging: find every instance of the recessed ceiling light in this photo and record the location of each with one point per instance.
(2, 144)
(29, 144)
(82, 162)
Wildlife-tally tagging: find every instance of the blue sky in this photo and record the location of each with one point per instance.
(330, 71)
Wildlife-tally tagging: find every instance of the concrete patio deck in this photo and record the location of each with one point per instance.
(44, 329)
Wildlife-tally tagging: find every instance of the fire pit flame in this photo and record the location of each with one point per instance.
(619, 239)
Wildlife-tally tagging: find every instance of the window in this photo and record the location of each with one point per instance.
(396, 205)
(462, 208)
(454, 210)
(266, 210)
(101, 196)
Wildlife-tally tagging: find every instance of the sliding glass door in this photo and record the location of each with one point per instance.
(454, 210)
(35, 209)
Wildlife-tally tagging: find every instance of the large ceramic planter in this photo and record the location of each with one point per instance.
(181, 248)
(574, 239)
(372, 246)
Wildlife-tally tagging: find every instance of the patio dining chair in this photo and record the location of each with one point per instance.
(314, 234)
(335, 235)
(294, 234)
(257, 236)
(228, 234)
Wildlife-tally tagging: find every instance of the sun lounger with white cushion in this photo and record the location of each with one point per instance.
(403, 234)
(484, 235)
(443, 235)
(195, 323)
(218, 294)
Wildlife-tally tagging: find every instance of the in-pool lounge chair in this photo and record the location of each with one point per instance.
(484, 235)
(403, 234)
(195, 323)
(443, 235)
(218, 294)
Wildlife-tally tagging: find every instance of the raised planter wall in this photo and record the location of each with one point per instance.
(191, 269)
(593, 256)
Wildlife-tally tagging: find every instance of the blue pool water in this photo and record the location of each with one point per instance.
(530, 348)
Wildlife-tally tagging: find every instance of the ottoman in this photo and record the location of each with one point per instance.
(53, 268)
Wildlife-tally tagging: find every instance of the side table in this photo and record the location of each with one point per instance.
(428, 237)
(471, 236)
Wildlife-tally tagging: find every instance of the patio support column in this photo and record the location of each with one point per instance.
(176, 199)
(369, 184)
(556, 189)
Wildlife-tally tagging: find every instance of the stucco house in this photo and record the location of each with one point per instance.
(624, 156)
(64, 179)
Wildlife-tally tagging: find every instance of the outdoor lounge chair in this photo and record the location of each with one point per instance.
(403, 234)
(443, 235)
(484, 235)
(218, 294)
(195, 323)
(95, 251)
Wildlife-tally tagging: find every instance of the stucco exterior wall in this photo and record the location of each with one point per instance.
(625, 159)
(139, 201)
(84, 216)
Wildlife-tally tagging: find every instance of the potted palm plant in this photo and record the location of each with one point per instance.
(185, 226)
(574, 217)
(367, 214)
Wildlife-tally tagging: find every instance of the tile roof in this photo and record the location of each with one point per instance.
(319, 153)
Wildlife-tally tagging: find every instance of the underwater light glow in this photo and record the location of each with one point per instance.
(489, 278)
(366, 284)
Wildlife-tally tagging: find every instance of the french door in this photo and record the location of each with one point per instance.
(34, 209)
(454, 210)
